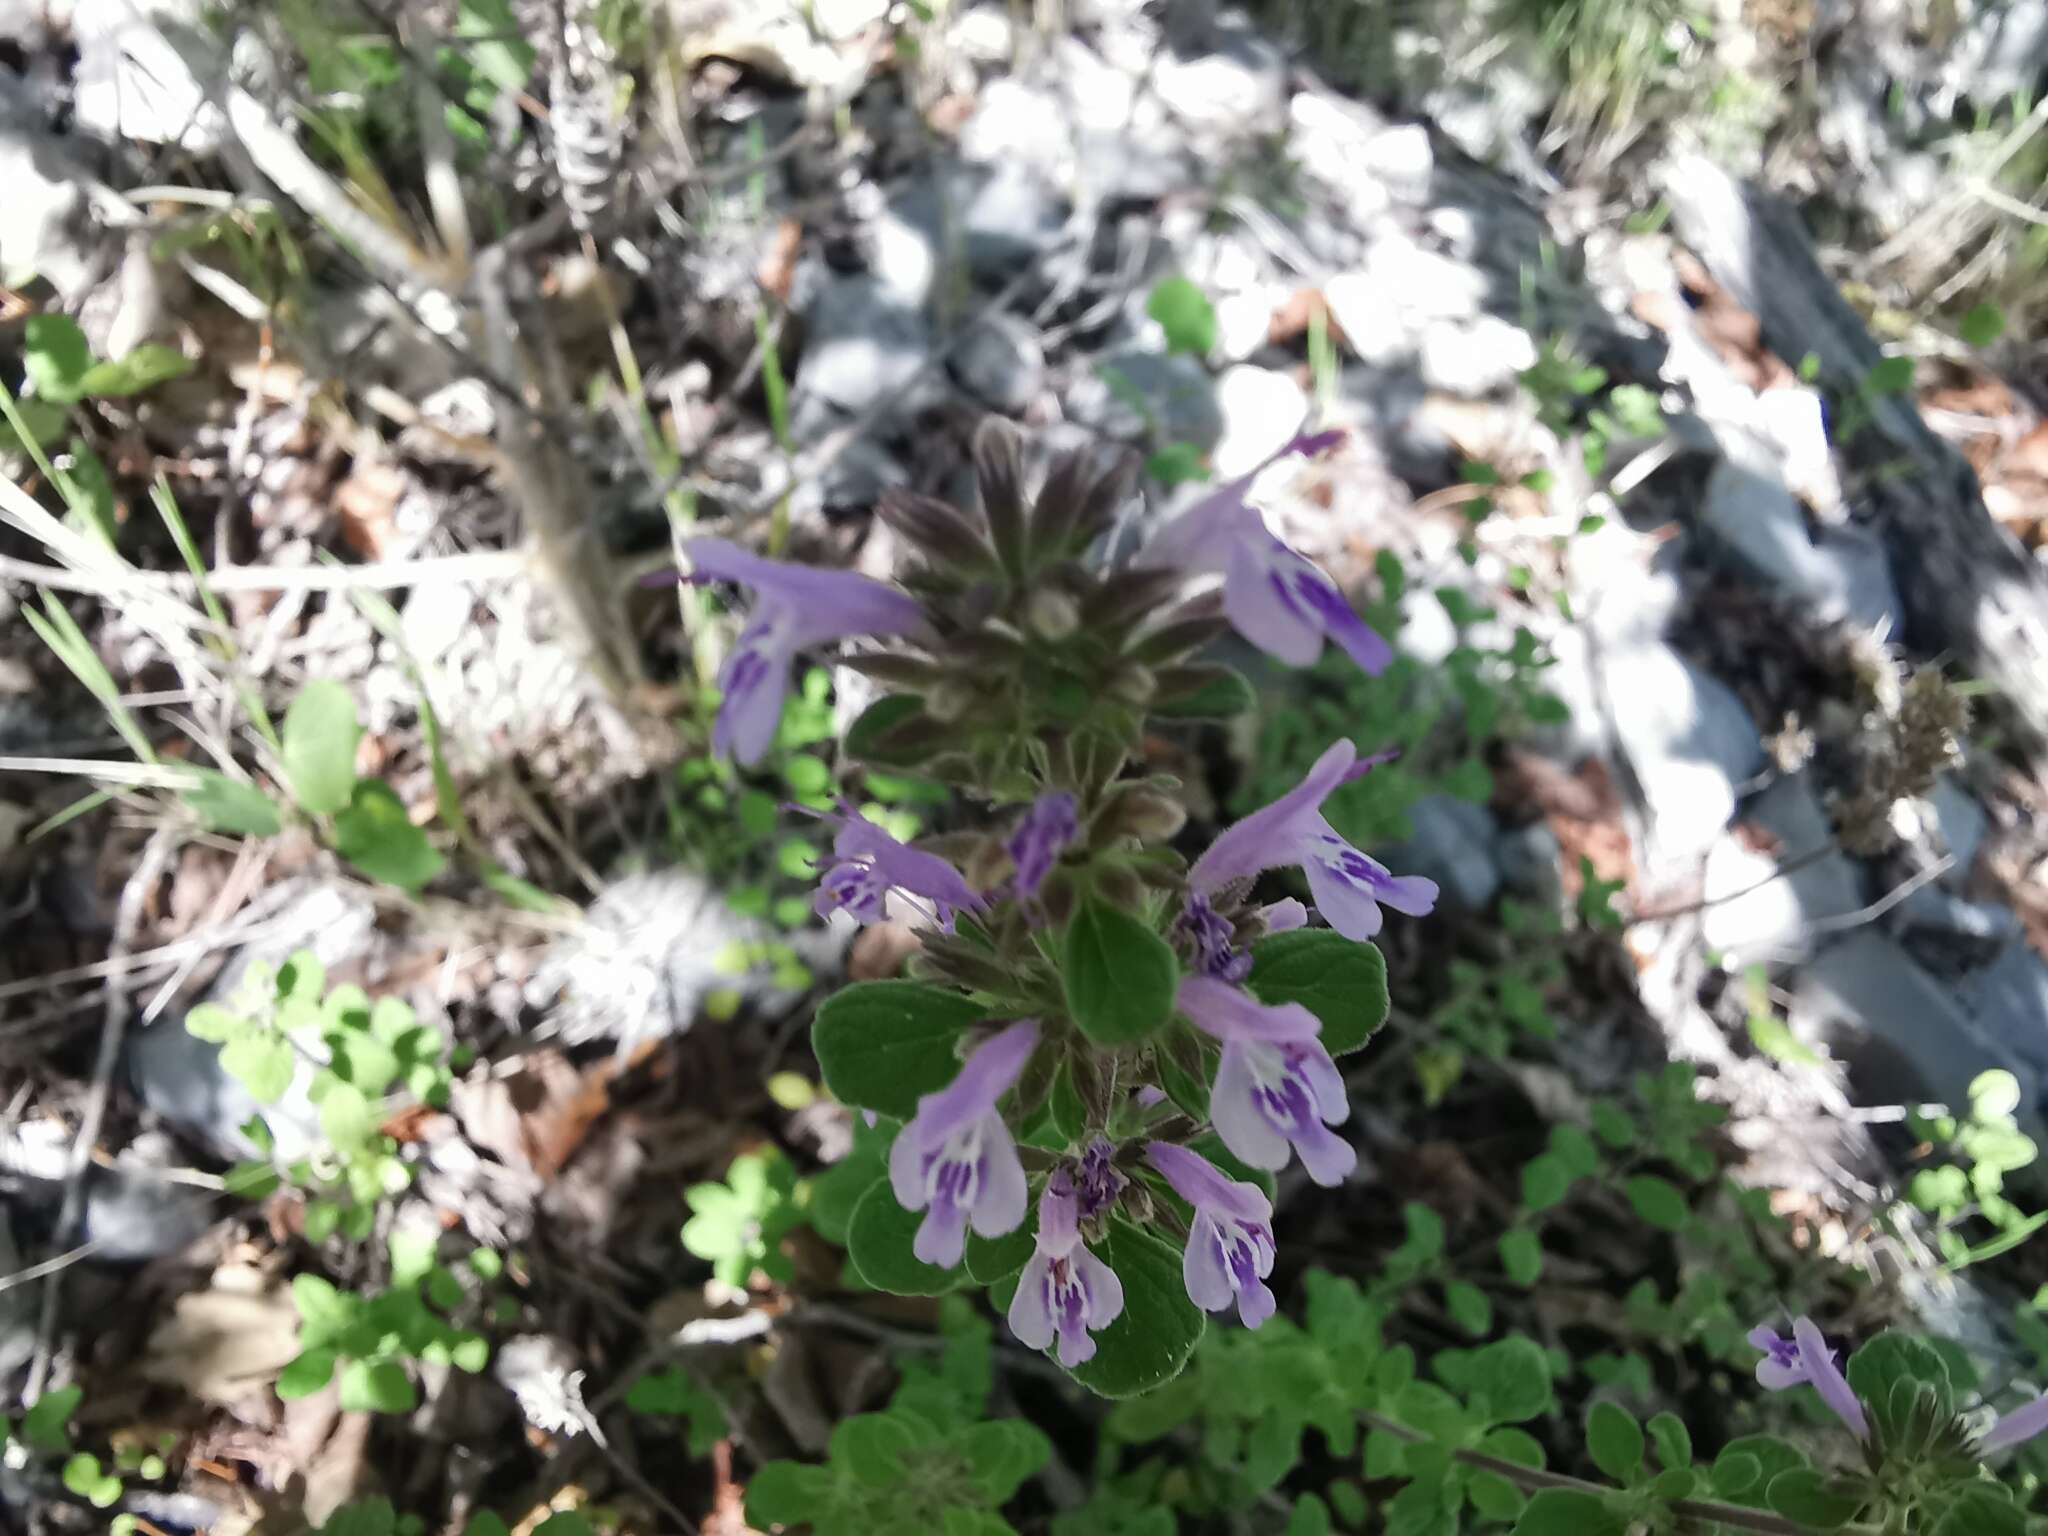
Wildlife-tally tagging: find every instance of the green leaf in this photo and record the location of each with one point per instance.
(147, 366)
(1568, 1512)
(1982, 325)
(1185, 314)
(1812, 1498)
(868, 737)
(1120, 975)
(787, 1493)
(1893, 1357)
(46, 1425)
(1341, 982)
(1979, 1511)
(1736, 1473)
(1469, 1308)
(1673, 1441)
(1005, 1453)
(1158, 1328)
(990, 1259)
(261, 1062)
(879, 1242)
(1176, 464)
(496, 46)
(882, 1045)
(1615, 1441)
(376, 1386)
(377, 836)
(1613, 1126)
(1521, 1255)
(1069, 1113)
(1659, 1202)
(306, 1374)
(55, 356)
(871, 1447)
(471, 1353)
(1771, 1455)
(320, 736)
(346, 1116)
(1514, 1373)
(227, 805)
(1545, 1181)
(1891, 376)
(1201, 690)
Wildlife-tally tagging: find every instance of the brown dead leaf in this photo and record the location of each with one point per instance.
(1295, 315)
(368, 501)
(1582, 809)
(539, 1112)
(1735, 334)
(228, 1341)
(777, 268)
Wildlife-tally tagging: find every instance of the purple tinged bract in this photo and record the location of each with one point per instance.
(955, 1159)
(1276, 1087)
(1041, 837)
(1349, 888)
(1230, 1243)
(869, 864)
(1273, 596)
(795, 607)
(1065, 1292)
(1805, 1359)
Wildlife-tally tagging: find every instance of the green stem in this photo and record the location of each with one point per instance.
(1697, 1511)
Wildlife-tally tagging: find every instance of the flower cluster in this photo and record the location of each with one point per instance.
(1125, 1060)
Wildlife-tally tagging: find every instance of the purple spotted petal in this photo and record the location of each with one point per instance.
(1203, 1185)
(1261, 598)
(1275, 834)
(1230, 1013)
(872, 863)
(1205, 536)
(822, 605)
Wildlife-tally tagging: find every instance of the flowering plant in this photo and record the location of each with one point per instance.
(1106, 1050)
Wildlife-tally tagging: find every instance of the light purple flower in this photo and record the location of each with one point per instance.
(1065, 1292)
(1806, 1359)
(1043, 834)
(2021, 1424)
(955, 1159)
(795, 607)
(1276, 1086)
(1230, 1245)
(1272, 596)
(1284, 915)
(871, 864)
(1348, 887)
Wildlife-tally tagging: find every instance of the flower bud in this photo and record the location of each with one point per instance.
(949, 700)
(1141, 812)
(1119, 886)
(1052, 614)
(1133, 684)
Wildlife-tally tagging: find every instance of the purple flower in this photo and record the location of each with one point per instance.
(1046, 829)
(1348, 887)
(1230, 1245)
(1273, 596)
(1276, 1086)
(1214, 939)
(955, 1158)
(1806, 1359)
(1284, 915)
(795, 607)
(2021, 1424)
(871, 864)
(1098, 1183)
(1065, 1291)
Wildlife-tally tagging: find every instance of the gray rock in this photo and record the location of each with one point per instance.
(1228, 83)
(1689, 740)
(1474, 357)
(652, 949)
(132, 83)
(1959, 822)
(862, 343)
(994, 217)
(1774, 920)
(48, 231)
(1758, 524)
(1905, 1037)
(2009, 1001)
(1983, 926)
(1001, 362)
(1528, 858)
(17, 1305)
(1262, 409)
(1452, 842)
(1176, 389)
